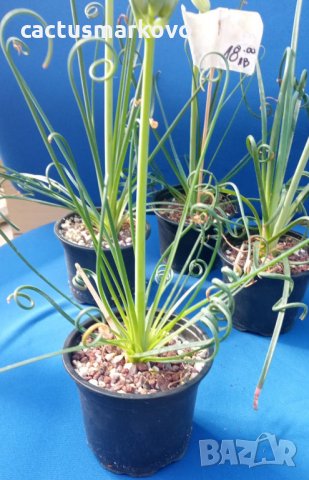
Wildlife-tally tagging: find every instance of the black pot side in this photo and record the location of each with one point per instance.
(253, 305)
(167, 231)
(136, 434)
(86, 257)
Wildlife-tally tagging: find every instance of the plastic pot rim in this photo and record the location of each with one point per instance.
(221, 253)
(85, 247)
(66, 357)
(167, 220)
(171, 222)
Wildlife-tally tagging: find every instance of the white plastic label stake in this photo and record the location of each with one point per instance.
(234, 34)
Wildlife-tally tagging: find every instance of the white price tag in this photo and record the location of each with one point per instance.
(235, 34)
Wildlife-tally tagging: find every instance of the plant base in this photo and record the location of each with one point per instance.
(137, 434)
(167, 233)
(86, 258)
(254, 304)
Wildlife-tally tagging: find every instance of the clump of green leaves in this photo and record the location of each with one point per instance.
(120, 121)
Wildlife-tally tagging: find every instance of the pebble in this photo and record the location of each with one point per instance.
(114, 377)
(93, 382)
(107, 368)
(199, 366)
(117, 358)
(74, 230)
(83, 371)
(109, 356)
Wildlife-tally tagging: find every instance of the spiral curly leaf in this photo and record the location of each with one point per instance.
(52, 184)
(87, 313)
(112, 64)
(252, 146)
(205, 76)
(97, 327)
(217, 289)
(207, 214)
(20, 46)
(259, 243)
(269, 107)
(160, 272)
(92, 10)
(265, 153)
(197, 267)
(15, 41)
(20, 296)
(279, 307)
(123, 18)
(79, 283)
(209, 180)
(282, 306)
(230, 274)
(110, 71)
(55, 136)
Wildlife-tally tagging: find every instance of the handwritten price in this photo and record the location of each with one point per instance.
(236, 32)
(233, 55)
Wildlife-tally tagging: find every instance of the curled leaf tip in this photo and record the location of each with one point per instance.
(92, 10)
(18, 45)
(123, 18)
(257, 394)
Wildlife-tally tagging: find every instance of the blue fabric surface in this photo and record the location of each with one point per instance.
(41, 430)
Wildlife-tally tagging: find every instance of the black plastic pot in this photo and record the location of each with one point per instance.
(86, 257)
(136, 434)
(253, 305)
(167, 232)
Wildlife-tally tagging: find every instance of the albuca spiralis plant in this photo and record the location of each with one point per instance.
(148, 320)
(142, 332)
(210, 87)
(120, 125)
(280, 198)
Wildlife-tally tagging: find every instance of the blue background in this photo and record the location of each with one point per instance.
(21, 146)
(41, 432)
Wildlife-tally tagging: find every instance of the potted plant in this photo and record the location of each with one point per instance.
(208, 203)
(62, 184)
(268, 306)
(161, 338)
(280, 199)
(144, 333)
(120, 424)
